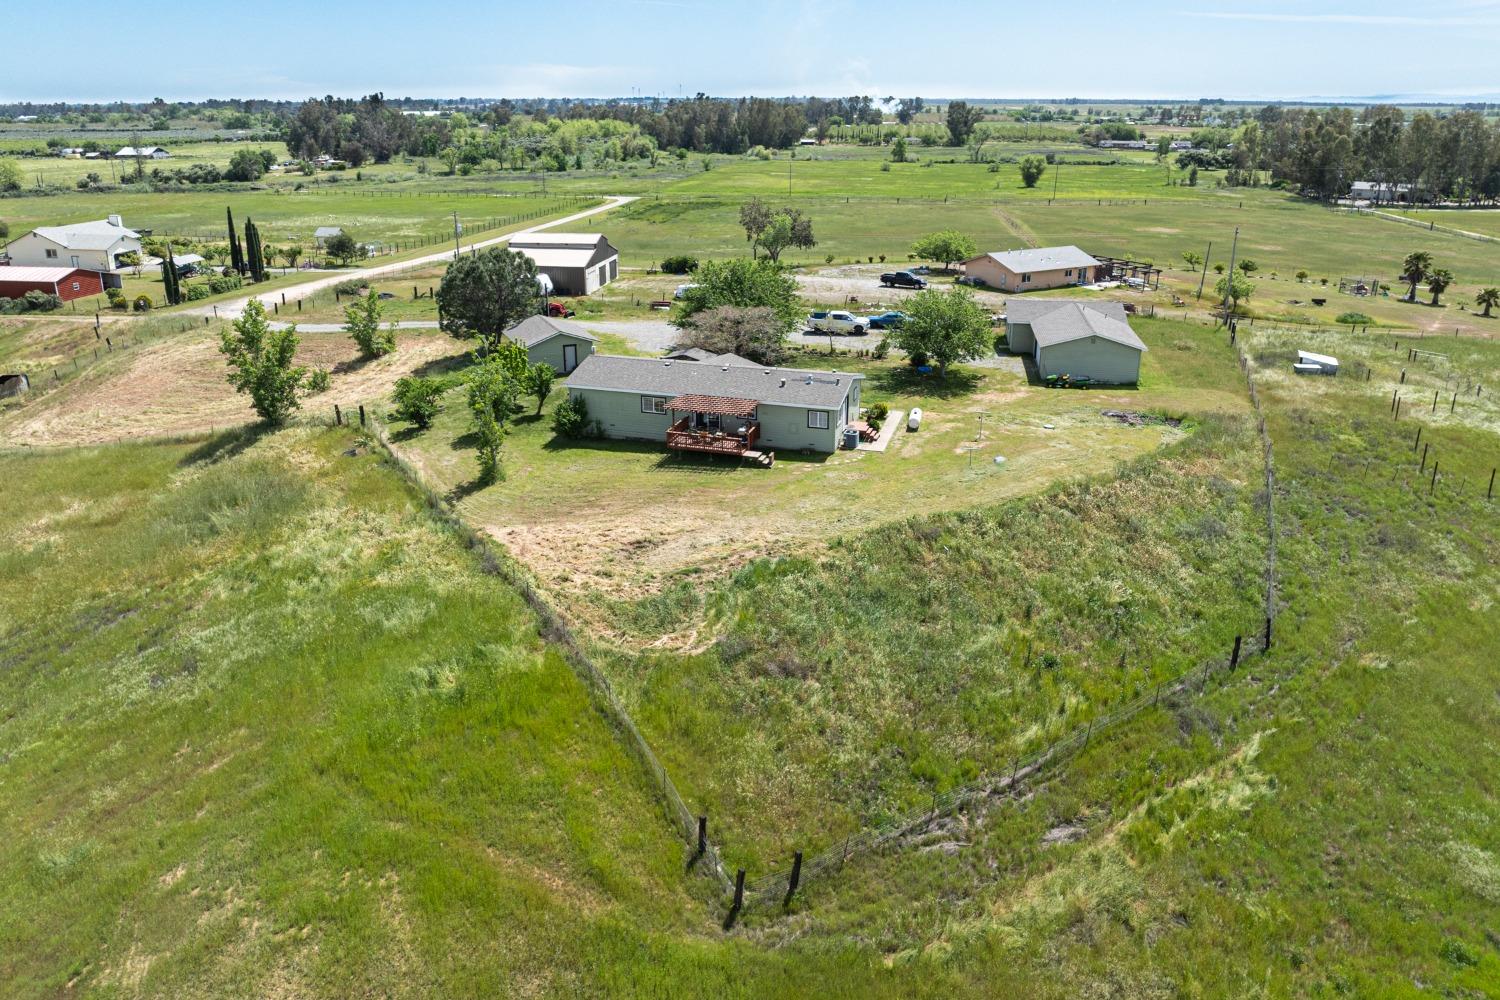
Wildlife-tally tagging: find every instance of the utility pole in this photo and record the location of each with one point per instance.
(1204, 276)
(1229, 275)
(458, 228)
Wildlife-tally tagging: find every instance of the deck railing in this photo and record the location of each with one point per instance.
(681, 438)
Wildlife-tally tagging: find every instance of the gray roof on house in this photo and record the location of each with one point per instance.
(100, 235)
(323, 232)
(663, 377)
(699, 354)
(1058, 321)
(1041, 259)
(534, 329)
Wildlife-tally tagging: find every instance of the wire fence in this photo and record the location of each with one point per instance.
(779, 886)
(704, 857)
(469, 227)
(1428, 224)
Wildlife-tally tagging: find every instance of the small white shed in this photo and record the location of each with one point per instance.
(1309, 363)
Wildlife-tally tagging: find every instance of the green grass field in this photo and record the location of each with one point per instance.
(433, 806)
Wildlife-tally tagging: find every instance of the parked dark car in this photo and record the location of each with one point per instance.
(887, 320)
(902, 279)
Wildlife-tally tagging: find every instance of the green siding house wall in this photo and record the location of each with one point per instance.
(624, 415)
(1094, 357)
(554, 352)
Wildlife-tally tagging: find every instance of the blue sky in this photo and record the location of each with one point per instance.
(1147, 48)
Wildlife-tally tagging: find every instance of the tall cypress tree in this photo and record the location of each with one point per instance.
(169, 278)
(236, 258)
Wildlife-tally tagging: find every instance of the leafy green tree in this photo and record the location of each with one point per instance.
(898, 150)
(362, 323)
(418, 400)
(1414, 270)
(483, 295)
(1489, 298)
(341, 248)
(1438, 282)
(1236, 286)
(945, 326)
(539, 379)
(744, 282)
(292, 255)
(1032, 169)
(10, 175)
(962, 120)
(1301, 276)
(493, 391)
(788, 228)
(245, 165)
(261, 365)
(755, 216)
(1248, 266)
(946, 245)
(1192, 259)
(752, 332)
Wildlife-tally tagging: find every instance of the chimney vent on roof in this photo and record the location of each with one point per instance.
(114, 220)
(782, 385)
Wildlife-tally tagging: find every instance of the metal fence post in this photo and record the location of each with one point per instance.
(795, 880)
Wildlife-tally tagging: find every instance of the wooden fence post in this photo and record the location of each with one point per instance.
(1433, 488)
(1491, 494)
(1234, 657)
(702, 835)
(1423, 466)
(361, 414)
(338, 416)
(795, 880)
(1419, 438)
(1267, 646)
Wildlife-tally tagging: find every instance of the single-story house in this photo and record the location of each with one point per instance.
(324, 233)
(146, 152)
(558, 342)
(709, 357)
(1081, 339)
(1032, 270)
(67, 283)
(1379, 191)
(716, 408)
(1124, 144)
(577, 263)
(93, 246)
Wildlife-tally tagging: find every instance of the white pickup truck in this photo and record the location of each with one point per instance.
(838, 322)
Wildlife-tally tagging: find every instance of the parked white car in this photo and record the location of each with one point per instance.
(682, 290)
(838, 322)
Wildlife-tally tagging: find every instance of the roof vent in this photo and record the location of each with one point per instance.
(666, 364)
(115, 220)
(724, 369)
(782, 385)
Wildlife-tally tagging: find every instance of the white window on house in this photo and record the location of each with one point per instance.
(75, 286)
(817, 419)
(51, 254)
(1068, 273)
(1025, 278)
(653, 404)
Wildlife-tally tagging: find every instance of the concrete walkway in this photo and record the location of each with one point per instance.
(233, 308)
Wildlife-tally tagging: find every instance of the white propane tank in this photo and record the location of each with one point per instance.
(914, 420)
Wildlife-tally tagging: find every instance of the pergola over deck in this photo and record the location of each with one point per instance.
(738, 440)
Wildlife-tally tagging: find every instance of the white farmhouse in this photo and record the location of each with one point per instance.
(93, 246)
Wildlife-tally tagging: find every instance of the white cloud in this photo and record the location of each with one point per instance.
(1433, 21)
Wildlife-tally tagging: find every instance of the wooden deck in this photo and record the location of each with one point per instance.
(680, 438)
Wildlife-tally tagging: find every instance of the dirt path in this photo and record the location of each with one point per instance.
(233, 308)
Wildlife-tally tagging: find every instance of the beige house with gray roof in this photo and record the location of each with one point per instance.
(1080, 339)
(1032, 270)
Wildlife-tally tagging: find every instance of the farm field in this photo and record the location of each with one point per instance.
(1485, 221)
(439, 807)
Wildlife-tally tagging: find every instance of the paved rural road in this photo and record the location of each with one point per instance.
(233, 308)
